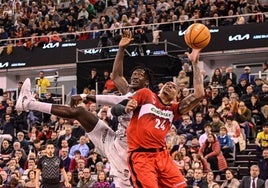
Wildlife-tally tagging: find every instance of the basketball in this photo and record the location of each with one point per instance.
(197, 36)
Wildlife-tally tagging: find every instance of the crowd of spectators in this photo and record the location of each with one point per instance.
(44, 20)
(231, 114)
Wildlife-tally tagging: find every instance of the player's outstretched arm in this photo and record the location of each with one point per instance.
(117, 72)
(193, 100)
(100, 99)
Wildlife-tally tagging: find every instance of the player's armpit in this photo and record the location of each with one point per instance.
(189, 103)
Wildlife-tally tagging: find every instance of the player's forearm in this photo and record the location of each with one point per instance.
(198, 82)
(109, 99)
(118, 64)
(117, 72)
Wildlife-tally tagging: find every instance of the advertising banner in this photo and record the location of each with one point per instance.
(224, 38)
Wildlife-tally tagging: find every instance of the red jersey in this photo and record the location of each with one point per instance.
(150, 122)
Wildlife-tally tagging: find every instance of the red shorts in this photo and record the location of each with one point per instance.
(154, 170)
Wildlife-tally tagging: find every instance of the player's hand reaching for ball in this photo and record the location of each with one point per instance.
(131, 105)
(126, 38)
(194, 55)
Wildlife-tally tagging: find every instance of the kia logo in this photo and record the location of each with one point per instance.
(239, 37)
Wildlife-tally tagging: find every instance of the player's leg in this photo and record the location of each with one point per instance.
(169, 174)
(143, 172)
(27, 102)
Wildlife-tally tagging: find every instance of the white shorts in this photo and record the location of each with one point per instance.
(115, 149)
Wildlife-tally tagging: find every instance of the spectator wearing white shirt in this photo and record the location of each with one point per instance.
(203, 137)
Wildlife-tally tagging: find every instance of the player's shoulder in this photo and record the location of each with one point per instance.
(144, 90)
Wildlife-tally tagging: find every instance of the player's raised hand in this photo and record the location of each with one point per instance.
(126, 38)
(194, 55)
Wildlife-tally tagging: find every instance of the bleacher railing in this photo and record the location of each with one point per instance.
(151, 27)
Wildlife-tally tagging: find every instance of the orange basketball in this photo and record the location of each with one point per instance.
(197, 36)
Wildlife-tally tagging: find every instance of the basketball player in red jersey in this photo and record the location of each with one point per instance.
(150, 164)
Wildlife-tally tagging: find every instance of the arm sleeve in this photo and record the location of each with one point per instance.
(110, 99)
(119, 109)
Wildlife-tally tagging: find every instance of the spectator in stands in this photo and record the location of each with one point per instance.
(76, 171)
(198, 180)
(93, 78)
(211, 111)
(81, 146)
(23, 142)
(211, 152)
(203, 107)
(74, 164)
(54, 139)
(234, 131)
(77, 130)
(263, 95)
(231, 75)
(265, 72)
(43, 83)
(210, 179)
(262, 139)
(20, 119)
(101, 180)
(185, 127)
(45, 133)
(34, 134)
(203, 137)
(230, 180)
(258, 85)
(241, 87)
(253, 180)
(246, 97)
(226, 142)
(172, 137)
(198, 124)
(68, 136)
(225, 103)
(20, 155)
(194, 147)
(216, 97)
(32, 178)
(243, 117)
(30, 166)
(109, 86)
(182, 80)
(246, 75)
(255, 106)
(177, 147)
(87, 180)
(93, 159)
(217, 78)
(5, 152)
(216, 123)
(263, 165)
(189, 72)
(65, 158)
(9, 126)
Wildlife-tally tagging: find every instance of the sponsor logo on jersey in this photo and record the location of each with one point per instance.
(104, 135)
(149, 108)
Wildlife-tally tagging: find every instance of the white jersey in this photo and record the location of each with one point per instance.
(113, 145)
(110, 145)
